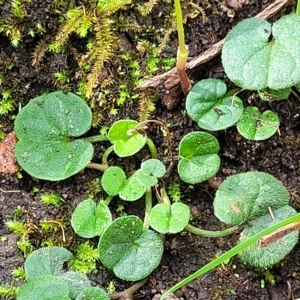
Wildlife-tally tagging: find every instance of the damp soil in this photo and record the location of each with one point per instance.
(184, 253)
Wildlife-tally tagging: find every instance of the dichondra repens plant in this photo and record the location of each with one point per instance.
(50, 147)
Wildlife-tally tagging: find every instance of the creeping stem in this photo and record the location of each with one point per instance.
(209, 233)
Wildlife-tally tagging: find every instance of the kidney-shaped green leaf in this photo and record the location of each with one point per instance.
(254, 62)
(113, 180)
(44, 288)
(256, 126)
(128, 250)
(45, 127)
(89, 220)
(243, 197)
(264, 257)
(205, 105)
(46, 261)
(169, 219)
(133, 189)
(93, 293)
(126, 140)
(199, 159)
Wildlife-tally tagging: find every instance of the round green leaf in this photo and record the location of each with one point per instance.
(133, 189)
(44, 288)
(44, 127)
(77, 282)
(93, 293)
(46, 261)
(245, 196)
(169, 219)
(126, 142)
(253, 62)
(113, 180)
(200, 160)
(256, 126)
(89, 220)
(265, 257)
(203, 105)
(154, 167)
(128, 250)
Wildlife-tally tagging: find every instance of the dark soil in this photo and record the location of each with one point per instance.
(184, 254)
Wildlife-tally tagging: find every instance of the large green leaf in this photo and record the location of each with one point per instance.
(128, 250)
(46, 261)
(199, 159)
(44, 288)
(245, 196)
(264, 257)
(126, 140)
(45, 128)
(89, 220)
(205, 105)
(252, 61)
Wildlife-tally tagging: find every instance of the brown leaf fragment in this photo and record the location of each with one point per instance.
(8, 162)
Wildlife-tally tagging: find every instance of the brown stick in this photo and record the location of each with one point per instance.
(170, 79)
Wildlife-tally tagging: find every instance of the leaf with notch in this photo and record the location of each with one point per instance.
(45, 128)
(46, 261)
(199, 159)
(256, 126)
(252, 61)
(205, 105)
(126, 142)
(128, 250)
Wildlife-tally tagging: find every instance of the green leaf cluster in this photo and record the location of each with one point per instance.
(46, 279)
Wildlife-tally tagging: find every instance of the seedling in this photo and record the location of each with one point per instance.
(51, 199)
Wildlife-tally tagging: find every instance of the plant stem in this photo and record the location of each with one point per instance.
(97, 138)
(108, 199)
(148, 204)
(152, 147)
(164, 196)
(298, 7)
(209, 233)
(96, 166)
(106, 153)
(182, 53)
(229, 254)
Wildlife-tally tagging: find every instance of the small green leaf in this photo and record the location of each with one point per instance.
(93, 293)
(274, 95)
(243, 197)
(89, 220)
(128, 250)
(113, 180)
(265, 257)
(126, 140)
(46, 261)
(205, 105)
(154, 167)
(44, 288)
(145, 179)
(44, 128)
(257, 126)
(200, 160)
(169, 219)
(77, 282)
(254, 61)
(133, 189)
